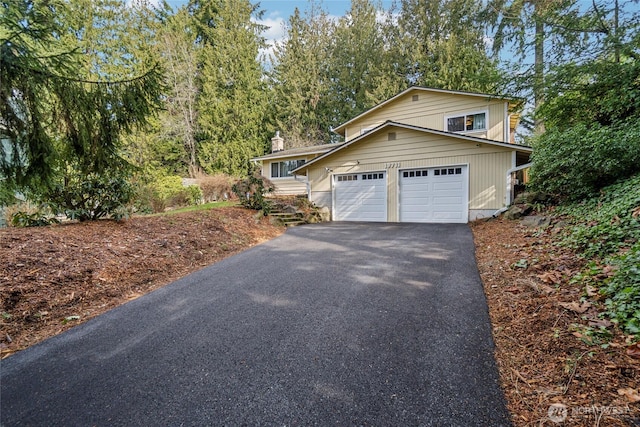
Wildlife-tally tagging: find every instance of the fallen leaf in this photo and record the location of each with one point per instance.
(549, 277)
(600, 323)
(547, 290)
(630, 393)
(575, 306)
(636, 212)
(634, 351)
(591, 291)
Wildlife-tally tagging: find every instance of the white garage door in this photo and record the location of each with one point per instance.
(434, 195)
(360, 197)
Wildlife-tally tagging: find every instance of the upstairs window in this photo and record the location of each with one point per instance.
(283, 169)
(475, 122)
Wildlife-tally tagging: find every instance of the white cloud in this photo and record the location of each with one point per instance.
(274, 33)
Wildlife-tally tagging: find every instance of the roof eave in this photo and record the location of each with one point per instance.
(517, 147)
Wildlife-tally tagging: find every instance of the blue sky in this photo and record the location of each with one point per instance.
(277, 12)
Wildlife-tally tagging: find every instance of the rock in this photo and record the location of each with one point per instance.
(530, 198)
(517, 211)
(536, 221)
(325, 214)
(560, 224)
(289, 209)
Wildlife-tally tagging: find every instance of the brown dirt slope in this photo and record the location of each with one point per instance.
(53, 278)
(554, 369)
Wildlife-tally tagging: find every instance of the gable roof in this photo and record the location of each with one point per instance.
(389, 123)
(341, 128)
(301, 151)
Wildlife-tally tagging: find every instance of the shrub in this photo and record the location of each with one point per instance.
(32, 219)
(252, 190)
(91, 197)
(167, 191)
(216, 187)
(578, 162)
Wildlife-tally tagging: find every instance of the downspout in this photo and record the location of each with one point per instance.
(510, 172)
(509, 183)
(306, 183)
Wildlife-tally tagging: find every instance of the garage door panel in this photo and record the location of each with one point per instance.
(448, 217)
(447, 186)
(434, 195)
(360, 197)
(447, 201)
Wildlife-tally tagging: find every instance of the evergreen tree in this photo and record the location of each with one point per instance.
(361, 67)
(59, 110)
(232, 103)
(441, 43)
(301, 80)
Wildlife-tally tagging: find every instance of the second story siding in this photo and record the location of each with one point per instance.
(431, 109)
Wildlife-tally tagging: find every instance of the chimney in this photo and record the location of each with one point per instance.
(277, 143)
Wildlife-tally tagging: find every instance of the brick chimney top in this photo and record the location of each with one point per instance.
(277, 143)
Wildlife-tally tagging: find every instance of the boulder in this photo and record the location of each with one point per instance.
(517, 211)
(536, 221)
(325, 214)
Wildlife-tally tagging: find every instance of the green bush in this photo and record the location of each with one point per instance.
(32, 219)
(91, 197)
(167, 191)
(252, 190)
(578, 162)
(623, 291)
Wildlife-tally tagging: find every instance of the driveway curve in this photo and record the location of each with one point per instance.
(329, 324)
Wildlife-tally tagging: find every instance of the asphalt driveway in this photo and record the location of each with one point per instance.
(330, 324)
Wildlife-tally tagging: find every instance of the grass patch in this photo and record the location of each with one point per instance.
(195, 208)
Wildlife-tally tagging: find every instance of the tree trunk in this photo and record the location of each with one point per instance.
(538, 70)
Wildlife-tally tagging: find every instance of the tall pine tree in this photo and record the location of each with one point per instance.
(301, 79)
(232, 103)
(441, 43)
(361, 67)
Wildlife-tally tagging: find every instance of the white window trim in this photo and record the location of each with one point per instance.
(465, 114)
(279, 161)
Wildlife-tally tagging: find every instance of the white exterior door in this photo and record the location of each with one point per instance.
(360, 197)
(434, 195)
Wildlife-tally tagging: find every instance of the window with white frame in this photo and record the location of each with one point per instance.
(471, 122)
(283, 169)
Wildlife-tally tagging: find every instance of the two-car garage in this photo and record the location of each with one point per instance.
(435, 194)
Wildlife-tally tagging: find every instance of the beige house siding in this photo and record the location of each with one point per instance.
(488, 165)
(430, 110)
(288, 186)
